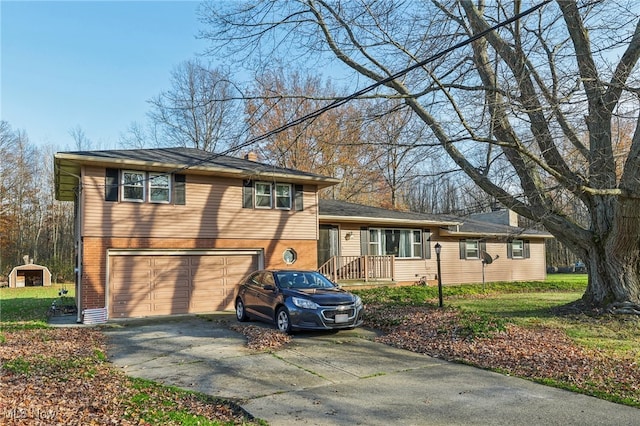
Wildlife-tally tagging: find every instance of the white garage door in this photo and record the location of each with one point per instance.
(165, 284)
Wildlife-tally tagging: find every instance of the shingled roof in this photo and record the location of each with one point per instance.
(478, 228)
(449, 225)
(350, 212)
(67, 166)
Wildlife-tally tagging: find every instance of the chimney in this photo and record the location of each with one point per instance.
(251, 156)
(499, 217)
(512, 218)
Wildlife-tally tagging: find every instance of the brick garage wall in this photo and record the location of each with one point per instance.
(94, 265)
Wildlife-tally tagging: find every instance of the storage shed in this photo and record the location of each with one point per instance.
(30, 275)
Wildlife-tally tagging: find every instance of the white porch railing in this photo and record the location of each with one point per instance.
(359, 268)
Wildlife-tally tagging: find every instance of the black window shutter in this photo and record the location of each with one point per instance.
(298, 197)
(247, 194)
(463, 249)
(426, 244)
(364, 241)
(483, 248)
(111, 185)
(527, 250)
(180, 189)
(510, 249)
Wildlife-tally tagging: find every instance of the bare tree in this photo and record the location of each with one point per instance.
(137, 136)
(31, 222)
(402, 143)
(82, 141)
(332, 144)
(514, 100)
(199, 111)
(21, 213)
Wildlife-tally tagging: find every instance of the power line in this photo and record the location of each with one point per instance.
(359, 93)
(341, 101)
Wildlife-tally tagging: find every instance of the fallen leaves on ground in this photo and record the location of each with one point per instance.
(60, 376)
(261, 338)
(538, 353)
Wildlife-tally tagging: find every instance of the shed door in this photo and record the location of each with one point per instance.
(150, 284)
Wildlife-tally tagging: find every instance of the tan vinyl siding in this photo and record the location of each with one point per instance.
(213, 209)
(456, 270)
(350, 247)
(410, 270)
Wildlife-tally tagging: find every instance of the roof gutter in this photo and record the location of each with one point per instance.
(371, 220)
(448, 233)
(262, 172)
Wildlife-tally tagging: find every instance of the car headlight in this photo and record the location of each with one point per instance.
(304, 303)
(358, 301)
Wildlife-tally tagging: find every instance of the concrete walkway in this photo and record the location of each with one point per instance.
(341, 378)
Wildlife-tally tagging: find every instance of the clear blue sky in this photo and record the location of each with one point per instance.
(89, 64)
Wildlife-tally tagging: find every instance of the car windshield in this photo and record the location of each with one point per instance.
(296, 279)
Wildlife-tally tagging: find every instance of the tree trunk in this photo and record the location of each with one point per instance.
(614, 263)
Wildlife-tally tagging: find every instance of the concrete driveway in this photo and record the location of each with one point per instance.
(341, 378)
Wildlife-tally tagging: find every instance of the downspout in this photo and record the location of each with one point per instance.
(77, 202)
(79, 251)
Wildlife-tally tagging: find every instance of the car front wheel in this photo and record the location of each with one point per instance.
(241, 314)
(283, 321)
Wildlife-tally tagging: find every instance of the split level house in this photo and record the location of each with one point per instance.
(173, 231)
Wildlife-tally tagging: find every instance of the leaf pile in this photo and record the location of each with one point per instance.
(60, 377)
(542, 354)
(261, 338)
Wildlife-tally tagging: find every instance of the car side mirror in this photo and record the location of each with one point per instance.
(269, 287)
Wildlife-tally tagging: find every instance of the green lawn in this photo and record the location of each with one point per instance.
(28, 306)
(568, 278)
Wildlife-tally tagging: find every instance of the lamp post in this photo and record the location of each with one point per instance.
(438, 248)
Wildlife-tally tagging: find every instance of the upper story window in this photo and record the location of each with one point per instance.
(402, 243)
(138, 186)
(283, 196)
(266, 195)
(133, 185)
(263, 195)
(159, 187)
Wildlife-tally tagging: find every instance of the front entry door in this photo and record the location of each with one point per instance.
(327, 243)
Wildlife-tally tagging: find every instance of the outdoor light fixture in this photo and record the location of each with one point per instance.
(438, 248)
(348, 235)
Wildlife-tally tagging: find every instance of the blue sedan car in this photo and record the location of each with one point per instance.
(295, 300)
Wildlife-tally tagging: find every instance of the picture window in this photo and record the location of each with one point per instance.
(401, 243)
